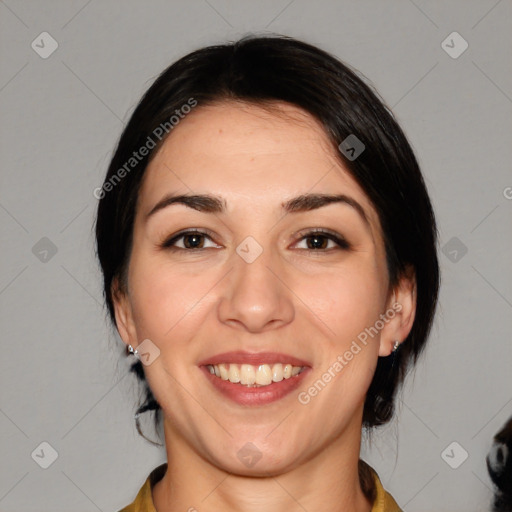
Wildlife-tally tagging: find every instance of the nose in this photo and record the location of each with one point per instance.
(255, 296)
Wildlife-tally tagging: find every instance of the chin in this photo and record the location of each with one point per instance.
(251, 460)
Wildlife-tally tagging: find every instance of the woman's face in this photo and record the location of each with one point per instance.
(258, 292)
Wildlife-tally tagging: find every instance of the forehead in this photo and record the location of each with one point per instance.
(242, 128)
(248, 153)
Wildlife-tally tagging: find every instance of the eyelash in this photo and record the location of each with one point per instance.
(330, 235)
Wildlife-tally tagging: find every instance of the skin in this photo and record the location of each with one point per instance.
(193, 305)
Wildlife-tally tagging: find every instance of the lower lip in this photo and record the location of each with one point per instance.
(244, 395)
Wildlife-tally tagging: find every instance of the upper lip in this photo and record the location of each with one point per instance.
(253, 358)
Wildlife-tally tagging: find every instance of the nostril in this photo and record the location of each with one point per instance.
(500, 455)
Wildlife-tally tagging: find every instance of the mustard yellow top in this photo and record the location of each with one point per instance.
(384, 502)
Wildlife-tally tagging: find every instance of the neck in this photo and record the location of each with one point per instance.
(328, 482)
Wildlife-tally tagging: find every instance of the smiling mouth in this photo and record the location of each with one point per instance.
(254, 375)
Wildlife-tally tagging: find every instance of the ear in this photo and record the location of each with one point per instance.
(123, 313)
(402, 301)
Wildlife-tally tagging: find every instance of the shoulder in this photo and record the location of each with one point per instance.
(144, 500)
(383, 501)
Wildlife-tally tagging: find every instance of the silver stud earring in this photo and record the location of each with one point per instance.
(132, 350)
(396, 345)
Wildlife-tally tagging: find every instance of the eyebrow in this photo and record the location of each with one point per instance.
(304, 203)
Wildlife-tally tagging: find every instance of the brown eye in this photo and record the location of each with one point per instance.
(191, 240)
(319, 241)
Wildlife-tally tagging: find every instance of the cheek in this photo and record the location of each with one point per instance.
(347, 305)
(347, 300)
(165, 300)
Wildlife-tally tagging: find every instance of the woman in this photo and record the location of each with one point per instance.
(269, 256)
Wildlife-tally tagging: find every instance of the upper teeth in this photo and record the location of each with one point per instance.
(259, 375)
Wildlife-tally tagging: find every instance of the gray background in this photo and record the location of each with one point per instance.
(63, 379)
